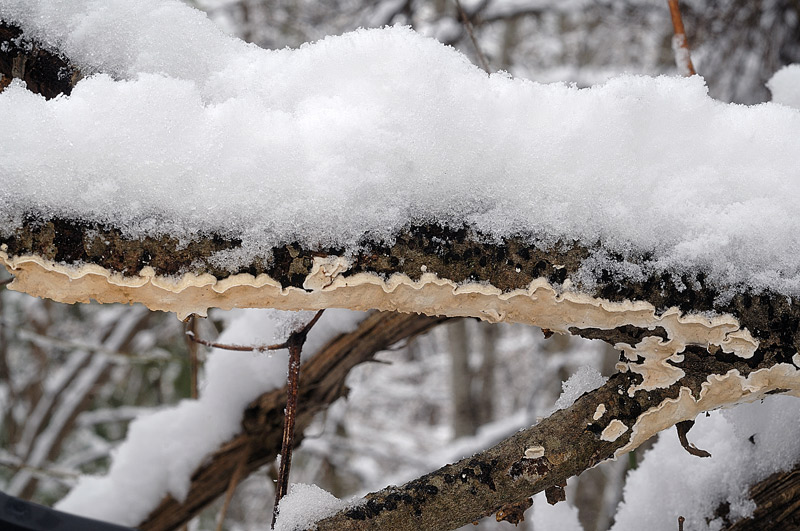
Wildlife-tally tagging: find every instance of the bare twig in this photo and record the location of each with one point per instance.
(295, 342)
(468, 26)
(6, 281)
(683, 428)
(680, 46)
(115, 356)
(191, 345)
(238, 348)
(15, 463)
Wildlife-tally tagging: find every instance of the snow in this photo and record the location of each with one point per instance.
(585, 379)
(561, 516)
(670, 482)
(163, 449)
(785, 86)
(305, 505)
(370, 131)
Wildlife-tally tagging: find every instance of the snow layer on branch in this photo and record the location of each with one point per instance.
(304, 506)
(585, 379)
(785, 86)
(163, 449)
(671, 482)
(190, 131)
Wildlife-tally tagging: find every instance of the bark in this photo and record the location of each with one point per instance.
(478, 486)
(321, 383)
(777, 501)
(44, 71)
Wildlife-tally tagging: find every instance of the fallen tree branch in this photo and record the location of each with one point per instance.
(540, 457)
(685, 348)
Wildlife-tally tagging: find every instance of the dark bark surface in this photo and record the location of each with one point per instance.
(44, 72)
(777, 501)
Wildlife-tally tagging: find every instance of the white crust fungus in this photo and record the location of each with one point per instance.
(539, 304)
(599, 412)
(534, 452)
(324, 270)
(613, 431)
(720, 390)
(326, 286)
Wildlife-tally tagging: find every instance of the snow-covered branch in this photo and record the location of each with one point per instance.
(640, 212)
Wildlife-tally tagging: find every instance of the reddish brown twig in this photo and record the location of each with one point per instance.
(295, 344)
(468, 26)
(680, 46)
(6, 281)
(238, 348)
(683, 428)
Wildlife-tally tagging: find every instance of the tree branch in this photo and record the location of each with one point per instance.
(321, 383)
(533, 460)
(43, 71)
(777, 501)
(676, 362)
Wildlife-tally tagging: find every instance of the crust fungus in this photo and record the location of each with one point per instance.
(718, 391)
(534, 452)
(335, 281)
(613, 431)
(599, 412)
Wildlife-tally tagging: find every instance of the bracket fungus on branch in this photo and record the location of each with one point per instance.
(685, 349)
(677, 362)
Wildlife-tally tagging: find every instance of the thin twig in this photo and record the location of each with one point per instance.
(6, 281)
(680, 45)
(295, 343)
(235, 478)
(115, 356)
(683, 429)
(468, 26)
(65, 476)
(191, 327)
(238, 348)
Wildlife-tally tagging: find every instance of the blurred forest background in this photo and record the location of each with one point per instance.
(72, 377)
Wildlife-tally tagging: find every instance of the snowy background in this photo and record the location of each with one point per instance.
(70, 387)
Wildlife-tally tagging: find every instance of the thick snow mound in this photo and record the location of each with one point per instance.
(190, 131)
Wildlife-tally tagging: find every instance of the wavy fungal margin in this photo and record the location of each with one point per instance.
(656, 359)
